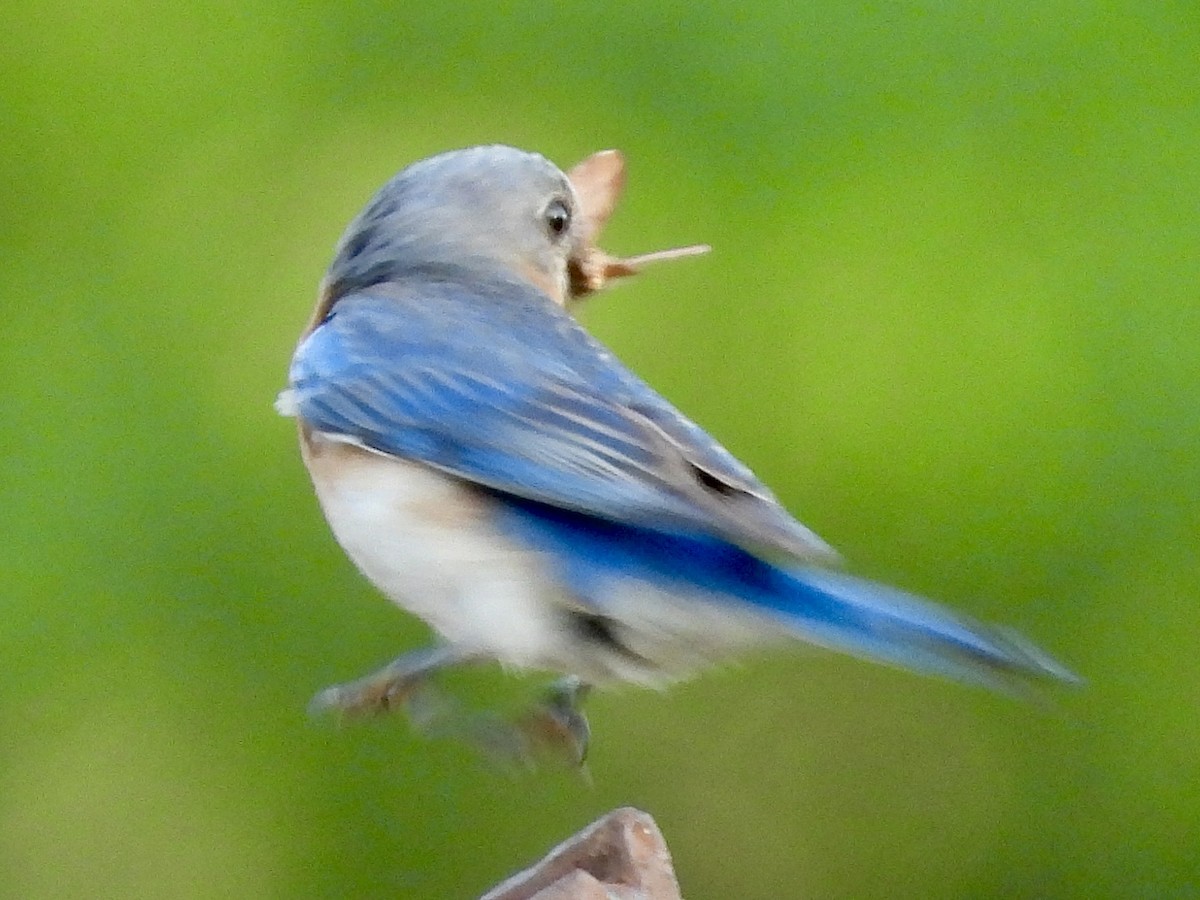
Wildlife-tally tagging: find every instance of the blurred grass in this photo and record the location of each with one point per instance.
(951, 316)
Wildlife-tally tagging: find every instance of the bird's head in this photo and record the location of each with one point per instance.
(488, 210)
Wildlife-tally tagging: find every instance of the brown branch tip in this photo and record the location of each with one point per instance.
(620, 856)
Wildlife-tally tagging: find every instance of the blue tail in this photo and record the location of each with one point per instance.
(823, 607)
(883, 623)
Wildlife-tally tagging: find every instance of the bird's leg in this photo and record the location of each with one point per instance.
(401, 683)
(552, 731)
(554, 727)
(557, 725)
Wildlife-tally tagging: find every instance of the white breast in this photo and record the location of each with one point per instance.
(427, 541)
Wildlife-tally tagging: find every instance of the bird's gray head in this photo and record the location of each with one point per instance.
(484, 210)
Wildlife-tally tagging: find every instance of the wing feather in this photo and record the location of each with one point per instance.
(505, 389)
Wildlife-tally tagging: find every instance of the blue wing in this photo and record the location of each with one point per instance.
(497, 385)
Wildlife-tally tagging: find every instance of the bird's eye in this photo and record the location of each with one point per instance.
(558, 218)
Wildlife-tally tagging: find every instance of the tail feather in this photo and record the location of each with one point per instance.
(822, 606)
(871, 620)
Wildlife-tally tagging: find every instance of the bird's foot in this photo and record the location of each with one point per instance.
(553, 730)
(557, 726)
(401, 684)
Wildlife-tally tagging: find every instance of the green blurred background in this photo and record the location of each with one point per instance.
(951, 316)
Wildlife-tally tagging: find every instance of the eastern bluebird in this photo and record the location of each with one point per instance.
(496, 471)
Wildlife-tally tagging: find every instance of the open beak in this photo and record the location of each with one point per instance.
(598, 182)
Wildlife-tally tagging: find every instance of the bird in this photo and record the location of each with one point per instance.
(496, 471)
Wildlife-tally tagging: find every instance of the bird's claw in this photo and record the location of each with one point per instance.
(557, 726)
(553, 729)
(373, 695)
(401, 684)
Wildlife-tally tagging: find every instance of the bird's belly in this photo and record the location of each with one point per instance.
(429, 542)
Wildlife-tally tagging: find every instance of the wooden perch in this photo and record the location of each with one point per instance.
(620, 856)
